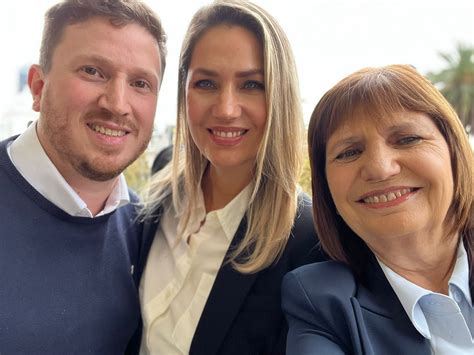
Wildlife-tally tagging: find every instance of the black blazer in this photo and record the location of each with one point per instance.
(330, 312)
(243, 312)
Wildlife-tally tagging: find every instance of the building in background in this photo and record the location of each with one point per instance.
(18, 114)
(159, 141)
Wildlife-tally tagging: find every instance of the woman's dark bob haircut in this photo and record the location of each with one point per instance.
(383, 92)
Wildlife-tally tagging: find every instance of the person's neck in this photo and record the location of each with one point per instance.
(94, 193)
(426, 262)
(220, 186)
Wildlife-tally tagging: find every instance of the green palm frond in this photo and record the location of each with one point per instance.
(456, 82)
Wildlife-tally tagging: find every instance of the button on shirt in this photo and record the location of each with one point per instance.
(30, 159)
(180, 272)
(447, 321)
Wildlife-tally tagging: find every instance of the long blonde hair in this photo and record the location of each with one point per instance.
(273, 203)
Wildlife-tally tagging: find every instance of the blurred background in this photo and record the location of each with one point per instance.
(330, 39)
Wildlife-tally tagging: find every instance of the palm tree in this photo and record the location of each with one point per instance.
(456, 82)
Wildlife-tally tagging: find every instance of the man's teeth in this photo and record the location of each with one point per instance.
(108, 131)
(387, 197)
(233, 134)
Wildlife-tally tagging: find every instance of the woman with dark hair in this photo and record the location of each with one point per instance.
(392, 178)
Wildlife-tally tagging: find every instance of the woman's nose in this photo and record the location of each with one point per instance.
(380, 163)
(227, 105)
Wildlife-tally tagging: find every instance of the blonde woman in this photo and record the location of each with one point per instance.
(225, 220)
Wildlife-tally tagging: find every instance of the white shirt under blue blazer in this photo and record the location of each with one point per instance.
(243, 312)
(329, 311)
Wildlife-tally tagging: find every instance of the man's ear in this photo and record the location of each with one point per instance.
(36, 84)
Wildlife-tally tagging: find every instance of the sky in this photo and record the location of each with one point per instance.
(330, 39)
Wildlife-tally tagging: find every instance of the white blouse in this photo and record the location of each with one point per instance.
(180, 272)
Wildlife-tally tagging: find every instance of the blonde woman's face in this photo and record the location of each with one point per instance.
(225, 97)
(390, 178)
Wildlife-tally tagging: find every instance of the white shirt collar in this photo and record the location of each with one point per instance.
(409, 294)
(460, 276)
(30, 159)
(236, 207)
(229, 217)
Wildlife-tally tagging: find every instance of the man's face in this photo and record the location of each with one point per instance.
(97, 103)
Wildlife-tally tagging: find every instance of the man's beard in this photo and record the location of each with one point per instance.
(57, 129)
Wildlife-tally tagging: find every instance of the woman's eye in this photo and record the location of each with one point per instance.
(204, 84)
(348, 154)
(408, 140)
(253, 84)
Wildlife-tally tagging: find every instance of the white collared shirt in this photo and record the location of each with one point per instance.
(30, 159)
(180, 272)
(446, 321)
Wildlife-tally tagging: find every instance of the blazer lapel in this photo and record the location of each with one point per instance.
(148, 234)
(227, 294)
(387, 305)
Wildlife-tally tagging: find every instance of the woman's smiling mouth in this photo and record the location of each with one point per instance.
(390, 198)
(228, 134)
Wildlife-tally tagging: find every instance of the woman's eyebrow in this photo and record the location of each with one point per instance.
(204, 71)
(250, 72)
(345, 141)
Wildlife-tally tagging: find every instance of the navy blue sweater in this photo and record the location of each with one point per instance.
(68, 285)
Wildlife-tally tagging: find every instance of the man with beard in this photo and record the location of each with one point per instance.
(69, 241)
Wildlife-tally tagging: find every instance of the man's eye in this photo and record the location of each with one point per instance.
(253, 84)
(142, 84)
(91, 71)
(204, 84)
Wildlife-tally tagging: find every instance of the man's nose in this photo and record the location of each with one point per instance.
(115, 97)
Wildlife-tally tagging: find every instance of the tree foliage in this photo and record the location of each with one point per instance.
(456, 82)
(305, 179)
(137, 174)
